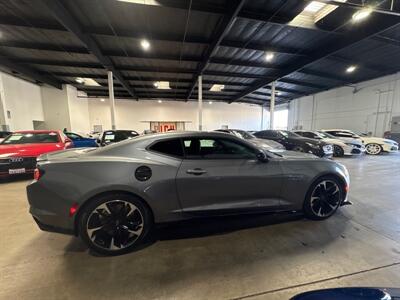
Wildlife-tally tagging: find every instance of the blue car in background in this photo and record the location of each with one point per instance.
(80, 141)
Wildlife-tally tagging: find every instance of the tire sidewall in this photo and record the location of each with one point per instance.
(307, 202)
(87, 210)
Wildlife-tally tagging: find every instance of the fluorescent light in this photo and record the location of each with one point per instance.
(87, 81)
(209, 102)
(314, 7)
(159, 101)
(269, 56)
(162, 85)
(361, 14)
(102, 99)
(217, 87)
(277, 93)
(351, 69)
(145, 44)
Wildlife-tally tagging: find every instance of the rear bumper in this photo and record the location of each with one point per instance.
(49, 210)
(27, 164)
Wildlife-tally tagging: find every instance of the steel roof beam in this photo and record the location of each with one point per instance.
(222, 28)
(30, 72)
(61, 13)
(367, 31)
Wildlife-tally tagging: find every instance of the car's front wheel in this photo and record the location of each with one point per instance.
(114, 224)
(323, 198)
(373, 149)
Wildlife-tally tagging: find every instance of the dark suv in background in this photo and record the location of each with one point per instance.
(295, 142)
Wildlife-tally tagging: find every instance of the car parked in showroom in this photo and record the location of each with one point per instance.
(18, 151)
(373, 145)
(340, 147)
(81, 141)
(4, 134)
(112, 196)
(114, 136)
(295, 142)
(267, 144)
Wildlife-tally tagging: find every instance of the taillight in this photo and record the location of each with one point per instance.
(73, 209)
(37, 174)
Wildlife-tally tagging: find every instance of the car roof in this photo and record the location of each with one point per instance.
(37, 131)
(335, 130)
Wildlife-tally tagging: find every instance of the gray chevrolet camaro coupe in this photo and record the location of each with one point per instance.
(112, 196)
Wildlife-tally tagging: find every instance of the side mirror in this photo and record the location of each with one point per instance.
(262, 157)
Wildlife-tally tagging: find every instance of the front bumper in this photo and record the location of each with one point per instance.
(390, 148)
(320, 152)
(49, 209)
(354, 150)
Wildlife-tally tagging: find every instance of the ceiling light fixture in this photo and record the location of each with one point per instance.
(162, 85)
(159, 101)
(209, 102)
(361, 14)
(314, 6)
(145, 44)
(217, 87)
(351, 69)
(79, 80)
(269, 56)
(102, 99)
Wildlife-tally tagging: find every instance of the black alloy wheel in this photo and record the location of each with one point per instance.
(324, 198)
(114, 225)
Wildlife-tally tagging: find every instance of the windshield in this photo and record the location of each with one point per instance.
(289, 134)
(325, 135)
(31, 138)
(244, 134)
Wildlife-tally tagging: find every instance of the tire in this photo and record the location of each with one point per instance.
(317, 208)
(373, 149)
(298, 149)
(114, 224)
(338, 151)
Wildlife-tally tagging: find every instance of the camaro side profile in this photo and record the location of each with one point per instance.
(112, 196)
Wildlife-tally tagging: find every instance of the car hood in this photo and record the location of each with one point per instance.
(266, 144)
(372, 139)
(293, 154)
(29, 150)
(307, 140)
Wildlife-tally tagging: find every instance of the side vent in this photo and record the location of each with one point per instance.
(143, 173)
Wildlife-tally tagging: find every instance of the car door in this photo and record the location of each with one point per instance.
(221, 175)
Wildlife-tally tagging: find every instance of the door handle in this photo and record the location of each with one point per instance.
(196, 171)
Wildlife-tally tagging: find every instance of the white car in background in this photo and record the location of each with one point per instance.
(373, 145)
(341, 147)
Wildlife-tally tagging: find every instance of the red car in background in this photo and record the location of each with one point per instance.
(18, 151)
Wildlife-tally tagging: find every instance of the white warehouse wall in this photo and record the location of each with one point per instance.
(22, 99)
(134, 114)
(365, 107)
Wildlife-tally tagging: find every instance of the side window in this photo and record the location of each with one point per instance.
(169, 147)
(308, 135)
(73, 136)
(343, 134)
(216, 149)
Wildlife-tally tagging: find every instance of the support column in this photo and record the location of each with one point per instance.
(200, 107)
(272, 106)
(111, 96)
(262, 117)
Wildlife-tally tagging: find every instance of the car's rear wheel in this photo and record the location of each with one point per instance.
(114, 224)
(373, 149)
(338, 151)
(323, 198)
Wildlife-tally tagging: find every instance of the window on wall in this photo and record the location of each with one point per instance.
(281, 119)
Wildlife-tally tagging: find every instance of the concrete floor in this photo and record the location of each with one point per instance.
(257, 257)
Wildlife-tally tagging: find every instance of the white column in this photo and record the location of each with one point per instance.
(272, 106)
(200, 108)
(112, 100)
(262, 117)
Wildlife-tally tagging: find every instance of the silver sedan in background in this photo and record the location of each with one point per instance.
(111, 197)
